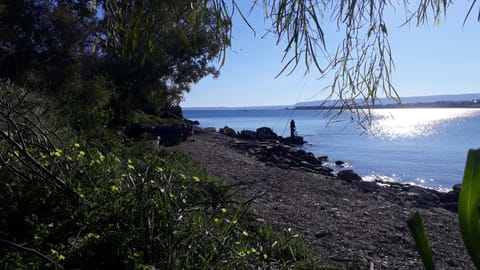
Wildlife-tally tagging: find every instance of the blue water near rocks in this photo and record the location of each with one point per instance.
(427, 147)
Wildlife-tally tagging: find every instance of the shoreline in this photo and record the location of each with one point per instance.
(343, 220)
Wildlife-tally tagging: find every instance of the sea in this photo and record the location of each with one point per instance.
(426, 147)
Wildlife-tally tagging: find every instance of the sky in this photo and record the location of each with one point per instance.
(432, 60)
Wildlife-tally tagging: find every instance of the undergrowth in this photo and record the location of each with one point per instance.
(105, 203)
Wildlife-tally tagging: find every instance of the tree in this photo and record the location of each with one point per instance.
(159, 53)
(143, 64)
(361, 66)
(41, 41)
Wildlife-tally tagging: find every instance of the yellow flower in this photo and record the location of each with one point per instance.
(182, 176)
(254, 250)
(69, 158)
(56, 153)
(159, 169)
(184, 201)
(131, 167)
(196, 179)
(92, 235)
(265, 256)
(217, 220)
(101, 157)
(61, 257)
(115, 189)
(81, 154)
(224, 210)
(235, 221)
(129, 161)
(245, 233)
(77, 145)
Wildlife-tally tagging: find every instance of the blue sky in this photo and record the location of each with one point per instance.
(432, 60)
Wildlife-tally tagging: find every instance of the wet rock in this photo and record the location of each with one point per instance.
(348, 175)
(339, 163)
(266, 133)
(228, 131)
(310, 158)
(457, 187)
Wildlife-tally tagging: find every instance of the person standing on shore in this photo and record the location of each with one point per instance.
(293, 128)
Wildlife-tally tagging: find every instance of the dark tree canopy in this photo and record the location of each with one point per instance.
(144, 63)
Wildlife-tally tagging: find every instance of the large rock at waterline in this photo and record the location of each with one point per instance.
(247, 135)
(297, 140)
(450, 197)
(457, 188)
(349, 176)
(266, 133)
(228, 131)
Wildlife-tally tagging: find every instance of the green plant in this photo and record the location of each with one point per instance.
(98, 202)
(468, 215)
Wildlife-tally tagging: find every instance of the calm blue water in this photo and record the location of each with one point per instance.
(422, 146)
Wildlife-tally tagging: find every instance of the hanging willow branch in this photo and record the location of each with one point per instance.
(362, 64)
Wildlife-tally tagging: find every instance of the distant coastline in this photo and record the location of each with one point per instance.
(415, 105)
(437, 101)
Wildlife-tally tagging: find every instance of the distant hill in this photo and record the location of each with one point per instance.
(438, 99)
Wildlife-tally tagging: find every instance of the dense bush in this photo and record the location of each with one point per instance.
(70, 202)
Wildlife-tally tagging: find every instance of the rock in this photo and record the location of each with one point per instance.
(247, 135)
(310, 158)
(205, 130)
(322, 234)
(457, 187)
(323, 158)
(266, 133)
(297, 140)
(451, 196)
(368, 186)
(339, 163)
(348, 175)
(451, 206)
(228, 131)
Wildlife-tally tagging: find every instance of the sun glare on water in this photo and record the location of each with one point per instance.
(409, 123)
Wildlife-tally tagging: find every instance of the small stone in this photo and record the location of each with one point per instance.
(322, 234)
(339, 163)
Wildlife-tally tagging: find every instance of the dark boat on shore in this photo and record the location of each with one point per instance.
(168, 135)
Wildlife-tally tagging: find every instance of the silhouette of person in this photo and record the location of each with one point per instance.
(293, 128)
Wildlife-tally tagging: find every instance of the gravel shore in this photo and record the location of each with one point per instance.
(338, 220)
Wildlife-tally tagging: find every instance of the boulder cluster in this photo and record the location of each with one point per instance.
(261, 134)
(285, 153)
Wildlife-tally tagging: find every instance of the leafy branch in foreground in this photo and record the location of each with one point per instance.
(468, 215)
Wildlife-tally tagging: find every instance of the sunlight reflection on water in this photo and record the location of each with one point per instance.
(402, 123)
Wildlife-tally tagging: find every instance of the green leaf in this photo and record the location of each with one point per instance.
(468, 215)
(415, 224)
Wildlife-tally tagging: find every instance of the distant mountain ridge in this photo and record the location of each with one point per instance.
(440, 99)
(405, 100)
